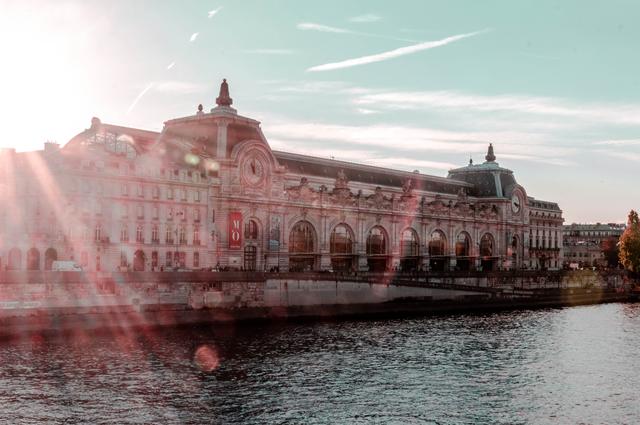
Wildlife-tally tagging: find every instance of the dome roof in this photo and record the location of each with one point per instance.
(488, 178)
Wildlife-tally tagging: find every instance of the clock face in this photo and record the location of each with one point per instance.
(515, 203)
(253, 170)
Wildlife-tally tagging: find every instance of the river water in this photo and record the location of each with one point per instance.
(571, 365)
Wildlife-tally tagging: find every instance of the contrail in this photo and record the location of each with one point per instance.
(402, 51)
(137, 99)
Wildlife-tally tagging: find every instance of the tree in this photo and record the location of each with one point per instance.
(630, 244)
(611, 252)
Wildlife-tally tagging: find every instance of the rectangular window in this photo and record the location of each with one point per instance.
(183, 235)
(140, 234)
(154, 260)
(155, 212)
(182, 262)
(124, 234)
(169, 259)
(196, 235)
(140, 211)
(184, 194)
(213, 216)
(196, 214)
(140, 191)
(168, 238)
(123, 259)
(124, 210)
(196, 196)
(155, 234)
(156, 192)
(196, 259)
(124, 189)
(169, 193)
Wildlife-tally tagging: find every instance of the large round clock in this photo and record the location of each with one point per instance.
(253, 170)
(515, 203)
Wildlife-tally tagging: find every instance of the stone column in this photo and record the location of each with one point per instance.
(325, 256)
(361, 249)
(221, 141)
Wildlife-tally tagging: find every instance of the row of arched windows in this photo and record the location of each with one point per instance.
(14, 259)
(303, 248)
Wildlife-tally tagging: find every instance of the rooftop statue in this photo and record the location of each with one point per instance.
(490, 157)
(223, 98)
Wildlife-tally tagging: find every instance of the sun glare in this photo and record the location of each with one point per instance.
(42, 77)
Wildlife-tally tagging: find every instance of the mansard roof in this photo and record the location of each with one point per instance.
(545, 205)
(368, 174)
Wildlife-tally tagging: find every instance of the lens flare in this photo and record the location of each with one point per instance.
(206, 358)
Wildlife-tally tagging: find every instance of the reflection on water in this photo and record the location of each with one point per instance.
(573, 365)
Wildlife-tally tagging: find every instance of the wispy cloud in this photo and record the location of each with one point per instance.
(310, 26)
(588, 112)
(270, 51)
(362, 156)
(417, 139)
(368, 17)
(620, 142)
(628, 156)
(140, 95)
(365, 111)
(171, 65)
(391, 54)
(193, 37)
(213, 12)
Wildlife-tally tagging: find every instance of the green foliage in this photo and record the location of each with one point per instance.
(630, 244)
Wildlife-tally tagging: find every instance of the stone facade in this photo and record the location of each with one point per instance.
(584, 243)
(208, 192)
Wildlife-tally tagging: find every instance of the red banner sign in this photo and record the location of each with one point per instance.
(235, 230)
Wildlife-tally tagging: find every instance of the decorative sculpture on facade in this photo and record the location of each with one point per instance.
(378, 200)
(302, 192)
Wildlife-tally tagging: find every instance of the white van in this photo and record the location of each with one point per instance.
(65, 266)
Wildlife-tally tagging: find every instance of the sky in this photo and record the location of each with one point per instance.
(412, 85)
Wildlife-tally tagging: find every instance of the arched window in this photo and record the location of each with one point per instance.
(15, 259)
(409, 250)
(377, 250)
(409, 246)
(33, 259)
(251, 230)
(302, 238)
(50, 255)
(463, 251)
(463, 244)
(487, 252)
(437, 244)
(138, 261)
(377, 241)
(341, 248)
(437, 251)
(302, 243)
(486, 245)
(341, 241)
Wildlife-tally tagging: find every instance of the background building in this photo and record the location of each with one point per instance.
(208, 191)
(587, 245)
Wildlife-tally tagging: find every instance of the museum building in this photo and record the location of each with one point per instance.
(208, 192)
